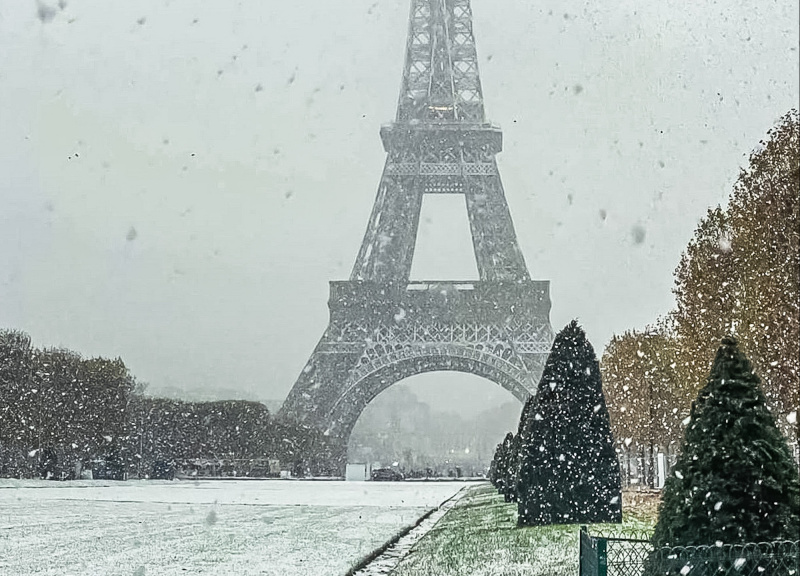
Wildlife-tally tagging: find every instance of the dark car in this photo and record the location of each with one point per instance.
(386, 474)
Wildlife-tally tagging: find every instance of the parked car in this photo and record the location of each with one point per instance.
(386, 474)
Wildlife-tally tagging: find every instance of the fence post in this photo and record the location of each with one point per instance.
(587, 557)
(602, 557)
(581, 533)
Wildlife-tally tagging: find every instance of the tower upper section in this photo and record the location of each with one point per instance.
(440, 143)
(440, 79)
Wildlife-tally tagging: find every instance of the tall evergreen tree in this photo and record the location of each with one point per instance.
(735, 480)
(569, 472)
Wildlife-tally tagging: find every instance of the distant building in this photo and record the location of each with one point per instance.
(359, 471)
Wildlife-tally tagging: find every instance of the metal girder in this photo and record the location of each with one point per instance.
(440, 78)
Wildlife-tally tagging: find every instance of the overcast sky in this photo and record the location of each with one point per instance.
(180, 180)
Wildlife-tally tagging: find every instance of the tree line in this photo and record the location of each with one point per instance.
(58, 409)
(731, 504)
(737, 283)
(739, 276)
(734, 482)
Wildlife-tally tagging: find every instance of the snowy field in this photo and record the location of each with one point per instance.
(140, 528)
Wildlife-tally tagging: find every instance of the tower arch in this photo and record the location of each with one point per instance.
(393, 368)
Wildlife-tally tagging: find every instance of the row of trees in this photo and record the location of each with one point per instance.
(561, 466)
(166, 430)
(740, 276)
(55, 400)
(58, 409)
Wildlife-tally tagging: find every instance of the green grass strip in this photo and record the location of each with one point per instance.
(479, 537)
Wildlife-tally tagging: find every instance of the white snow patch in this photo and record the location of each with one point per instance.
(266, 527)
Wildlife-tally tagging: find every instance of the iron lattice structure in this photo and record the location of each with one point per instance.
(383, 327)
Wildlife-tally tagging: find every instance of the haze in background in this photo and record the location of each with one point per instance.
(180, 181)
(398, 429)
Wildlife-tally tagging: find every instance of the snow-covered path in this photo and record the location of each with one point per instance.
(142, 528)
(392, 556)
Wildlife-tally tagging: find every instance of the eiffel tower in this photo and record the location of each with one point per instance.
(383, 327)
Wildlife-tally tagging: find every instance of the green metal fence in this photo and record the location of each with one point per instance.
(589, 558)
(613, 555)
(625, 556)
(756, 559)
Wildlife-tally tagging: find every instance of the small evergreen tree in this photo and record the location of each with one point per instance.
(501, 463)
(735, 480)
(496, 467)
(510, 480)
(568, 469)
(521, 439)
(492, 475)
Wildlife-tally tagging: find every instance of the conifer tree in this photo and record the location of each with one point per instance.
(501, 458)
(492, 475)
(735, 480)
(521, 439)
(510, 480)
(568, 471)
(496, 467)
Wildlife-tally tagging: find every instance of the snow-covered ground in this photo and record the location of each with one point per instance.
(240, 527)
